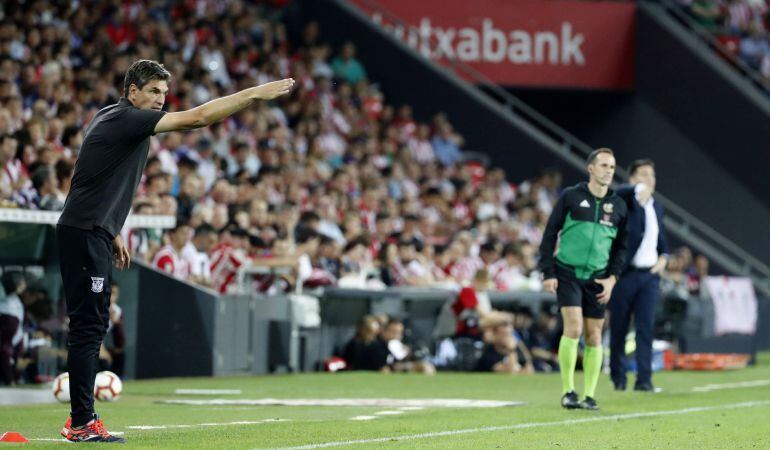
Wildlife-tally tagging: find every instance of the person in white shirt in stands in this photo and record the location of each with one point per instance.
(169, 257)
(196, 254)
(11, 324)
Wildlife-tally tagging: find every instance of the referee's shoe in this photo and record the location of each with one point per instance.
(570, 400)
(589, 403)
(93, 431)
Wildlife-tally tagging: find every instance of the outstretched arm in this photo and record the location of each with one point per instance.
(222, 107)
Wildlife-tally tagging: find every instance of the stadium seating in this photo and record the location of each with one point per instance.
(740, 25)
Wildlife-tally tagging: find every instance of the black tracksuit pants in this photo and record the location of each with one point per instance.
(86, 259)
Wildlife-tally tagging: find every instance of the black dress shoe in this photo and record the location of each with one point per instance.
(645, 387)
(620, 386)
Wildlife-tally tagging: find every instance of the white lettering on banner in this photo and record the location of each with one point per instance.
(570, 46)
(468, 48)
(490, 44)
(520, 50)
(445, 38)
(494, 42)
(735, 304)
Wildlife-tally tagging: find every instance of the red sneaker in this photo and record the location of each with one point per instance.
(67, 426)
(93, 431)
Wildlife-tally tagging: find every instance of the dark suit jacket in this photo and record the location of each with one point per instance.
(636, 223)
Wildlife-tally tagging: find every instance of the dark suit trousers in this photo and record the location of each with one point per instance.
(636, 293)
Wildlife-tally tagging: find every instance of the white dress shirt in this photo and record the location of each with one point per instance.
(646, 255)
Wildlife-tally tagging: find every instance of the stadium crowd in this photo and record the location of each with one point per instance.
(334, 173)
(470, 335)
(357, 186)
(332, 181)
(744, 25)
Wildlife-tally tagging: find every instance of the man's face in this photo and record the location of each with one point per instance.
(602, 169)
(407, 252)
(502, 332)
(180, 237)
(212, 239)
(489, 256)
(151, 96)
(546, 321)
(283, 247)
(9, 147)
(192, 186)
(384, 226)
(206, 241)
(394, 330)
(481, 284)
(328, 250)
(240, 242)
(646, 175)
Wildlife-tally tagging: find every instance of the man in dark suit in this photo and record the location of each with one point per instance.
(638, 290)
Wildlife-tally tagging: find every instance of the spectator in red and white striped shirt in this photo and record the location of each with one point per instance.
(508, 273)
(227, 257)
(466, 268)
(169, 257)
(420, 146)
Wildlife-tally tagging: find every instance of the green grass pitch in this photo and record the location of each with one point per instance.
(735, 415)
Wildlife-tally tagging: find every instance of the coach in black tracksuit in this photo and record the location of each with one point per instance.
(638, 290)
(107, 173)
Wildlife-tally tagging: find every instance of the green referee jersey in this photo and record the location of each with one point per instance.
(591, 234)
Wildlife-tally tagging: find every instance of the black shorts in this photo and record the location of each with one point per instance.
(574, 292)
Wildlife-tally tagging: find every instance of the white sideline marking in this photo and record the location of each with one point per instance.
(221, 424)
(742, 384)
(207, 391)
(388, 413)
(163, 427)
(374, 402)
(363, 418)
(114, 433)
(534, 425)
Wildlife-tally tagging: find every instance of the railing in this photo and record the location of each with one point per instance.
(681, 223)
(244, 279)
(52, 217)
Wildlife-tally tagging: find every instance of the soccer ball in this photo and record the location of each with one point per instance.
(107, 386)
(61, 387)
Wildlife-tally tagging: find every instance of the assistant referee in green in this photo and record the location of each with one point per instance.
(589, 221)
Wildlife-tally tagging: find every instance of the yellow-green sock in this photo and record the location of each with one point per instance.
(568, 351)
(592, 368)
